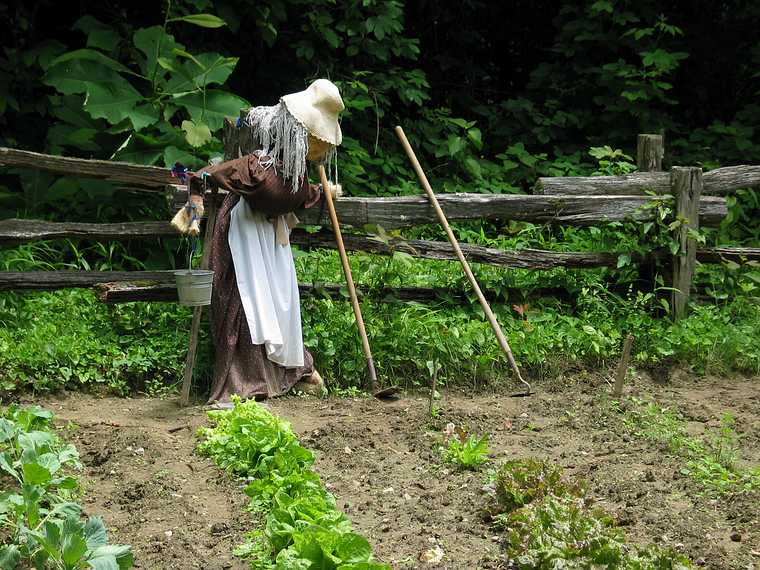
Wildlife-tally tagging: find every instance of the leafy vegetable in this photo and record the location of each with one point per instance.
(303, 529)
(43, 524)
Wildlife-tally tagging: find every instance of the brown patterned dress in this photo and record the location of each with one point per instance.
(242, 367)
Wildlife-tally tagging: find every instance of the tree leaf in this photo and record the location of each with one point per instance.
(154, 42)
(78, 75)
(113, 102)
(197, 134)
(202, 20)
(204, 69)
(99, 35)
(213, 108)
(92, 55)
(143, 115)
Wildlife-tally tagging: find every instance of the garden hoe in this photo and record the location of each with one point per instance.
(373, 387)
(466, 266)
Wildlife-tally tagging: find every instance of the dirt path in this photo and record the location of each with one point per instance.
(378, 460)
(176, 509)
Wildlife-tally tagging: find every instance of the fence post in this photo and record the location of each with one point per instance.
(650, 149)
(686, 184)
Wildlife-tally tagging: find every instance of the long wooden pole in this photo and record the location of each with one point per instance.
(198, 311)
(349, 280)
(466, 266)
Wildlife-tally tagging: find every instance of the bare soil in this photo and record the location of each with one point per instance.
(179, 511)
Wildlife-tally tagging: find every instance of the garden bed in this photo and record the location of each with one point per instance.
(178, 511)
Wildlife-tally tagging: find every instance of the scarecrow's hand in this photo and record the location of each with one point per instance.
(187, 221)
(336, 190)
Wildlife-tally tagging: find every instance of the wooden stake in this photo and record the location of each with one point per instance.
(198, 311)
(650, 150)
(687, 188)
(622, 368)
(349, 281)
(466, 266)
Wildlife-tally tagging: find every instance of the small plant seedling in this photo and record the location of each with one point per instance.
(467, 451)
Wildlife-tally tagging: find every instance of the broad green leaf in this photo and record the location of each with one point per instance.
(213, 108)
(95, 532)
(73, 544)
(197, 134)
(154, 42)
(111, 557)
(353, 548)
(9, 557)
(35, 474)
(6, 464)
(7, 429)
(79, 75)
(204, 69)
(172, 155)
(202, 20)
(92, 55)
(143, 116)
(99, 35)
(114, 103)
(63, 135)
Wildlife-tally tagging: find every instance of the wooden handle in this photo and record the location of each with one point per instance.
(466, 266)
(349, 280)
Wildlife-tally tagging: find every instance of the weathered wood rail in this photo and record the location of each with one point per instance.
(15, 231)
(123, 172)
(575, 210)
(718, 181)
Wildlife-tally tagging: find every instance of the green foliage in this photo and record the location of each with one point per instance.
(303, 529)
(466, 451)
(40, 523)
(551, 523)
(69, 339)
(711, 461)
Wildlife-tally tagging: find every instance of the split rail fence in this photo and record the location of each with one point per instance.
(578, 201)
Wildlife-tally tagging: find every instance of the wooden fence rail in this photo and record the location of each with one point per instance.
(14, 232)
(124, 172)
(718, 181)
(409, 211)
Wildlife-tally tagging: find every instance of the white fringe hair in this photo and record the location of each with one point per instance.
(282, 138)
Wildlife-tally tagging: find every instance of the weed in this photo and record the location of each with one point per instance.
(712, 463)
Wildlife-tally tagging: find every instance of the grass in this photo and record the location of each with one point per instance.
(712, 461)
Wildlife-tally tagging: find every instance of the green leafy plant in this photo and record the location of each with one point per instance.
(464, 450)
(550, 522)
(40, 523)
(710, 461)
(303, 529)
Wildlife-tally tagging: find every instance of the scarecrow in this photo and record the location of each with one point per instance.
(255, 314)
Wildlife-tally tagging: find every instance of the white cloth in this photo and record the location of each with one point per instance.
(266, 280)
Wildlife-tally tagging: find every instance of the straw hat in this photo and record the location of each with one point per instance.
(317, 109)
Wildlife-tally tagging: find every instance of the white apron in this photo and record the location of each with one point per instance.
(266, 280)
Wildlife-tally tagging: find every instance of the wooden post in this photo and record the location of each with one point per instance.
(198, 311)
(687, 185)
(623, 366)
(650, 149)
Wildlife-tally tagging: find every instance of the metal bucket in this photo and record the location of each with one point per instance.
(194, 287)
